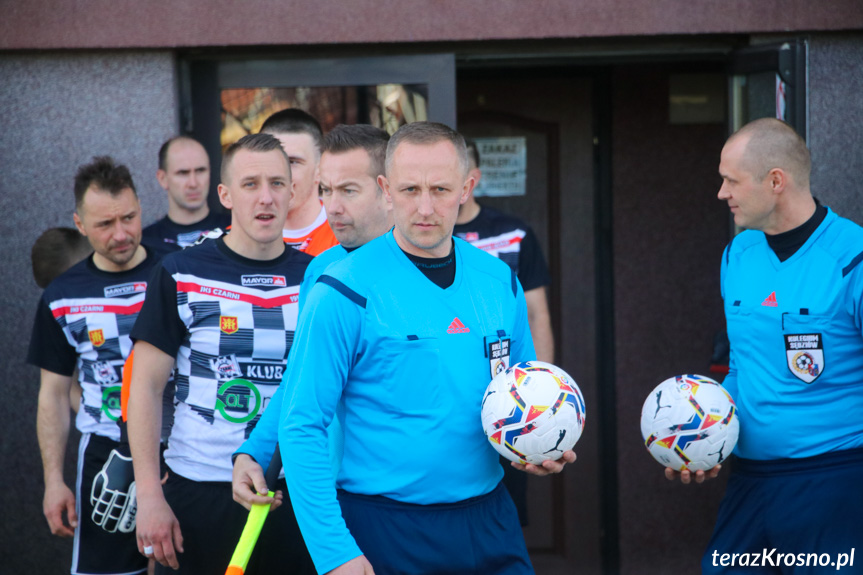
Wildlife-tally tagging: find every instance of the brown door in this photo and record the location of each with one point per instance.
(551, 115)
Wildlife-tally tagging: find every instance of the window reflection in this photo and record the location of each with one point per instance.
(386, 106)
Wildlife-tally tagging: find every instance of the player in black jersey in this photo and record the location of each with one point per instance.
(83, 321)
(184, 173)
(223, 314)
(54, 252)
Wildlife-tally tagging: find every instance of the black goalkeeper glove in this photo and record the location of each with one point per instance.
(113, 494)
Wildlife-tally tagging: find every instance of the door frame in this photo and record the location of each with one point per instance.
(201, 80)
(789, 60)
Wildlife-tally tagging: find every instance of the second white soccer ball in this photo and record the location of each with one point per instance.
(689, 422)
(533, 411)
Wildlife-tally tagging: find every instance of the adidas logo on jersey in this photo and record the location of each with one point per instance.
(770, 301)
(457, 327)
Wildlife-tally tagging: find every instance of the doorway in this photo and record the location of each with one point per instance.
(549, 114)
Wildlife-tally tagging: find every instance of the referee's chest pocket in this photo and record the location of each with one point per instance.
(412, 367)
(738, 318)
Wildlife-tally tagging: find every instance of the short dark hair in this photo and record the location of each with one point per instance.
(163, 151)
(55, 251)
(427, 133)
(104, 174)
(472, 152)
(253, 143)
(373, 140)
(294, 121)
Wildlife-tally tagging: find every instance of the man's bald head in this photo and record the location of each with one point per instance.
(771, 143)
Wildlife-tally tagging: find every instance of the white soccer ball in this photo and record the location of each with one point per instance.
(533, 411)
(689, 422)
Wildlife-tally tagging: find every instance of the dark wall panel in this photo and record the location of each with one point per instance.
(669, 231)
(562, 100)
(59, 111)
(836, 122)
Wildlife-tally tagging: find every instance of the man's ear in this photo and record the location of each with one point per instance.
(78, 223)
(476, 174)
(778, 180)
(225, 196)
(162, 177)
(318, 174)
(467, 189)
(385, 186)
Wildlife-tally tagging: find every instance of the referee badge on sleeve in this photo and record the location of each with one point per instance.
(805, 355)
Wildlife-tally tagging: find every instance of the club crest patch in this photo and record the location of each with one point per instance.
(225, 367)
(104, 373)
(805, 355)
(498, 356)
(228, 324)
(97, 337)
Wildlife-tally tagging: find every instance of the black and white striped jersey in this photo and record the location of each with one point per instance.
(84, 320)
(229, 321)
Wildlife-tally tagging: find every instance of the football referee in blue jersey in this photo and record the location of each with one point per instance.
(792, 284)
(397, 335)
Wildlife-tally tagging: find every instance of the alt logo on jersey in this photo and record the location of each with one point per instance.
(457, 327)
(228, 324)
(97, 337)
(263, 280)
(125, 289)
(111, 402)
(238, 401)
(770, 301)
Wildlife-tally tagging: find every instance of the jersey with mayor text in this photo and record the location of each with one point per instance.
(84, 320)
(229, 321)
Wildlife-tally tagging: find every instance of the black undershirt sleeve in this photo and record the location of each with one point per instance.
(49, 348)
(159, 322)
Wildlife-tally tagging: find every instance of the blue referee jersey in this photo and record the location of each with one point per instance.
(410, 362)
(796, 333)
